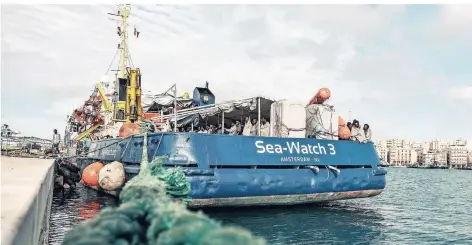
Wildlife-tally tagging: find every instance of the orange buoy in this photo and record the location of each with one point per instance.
(341, 121)
(321, 96)
(344, 132)
(90, 173)
(128, 129)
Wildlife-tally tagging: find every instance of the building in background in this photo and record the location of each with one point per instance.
(380, 143)
(402, 156)
(434, 159)
(459, 142)
(397, 143)
(436, 153)
(437, 145)
(382, 151)
(458, 154)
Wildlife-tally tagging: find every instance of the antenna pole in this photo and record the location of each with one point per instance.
(124, 11)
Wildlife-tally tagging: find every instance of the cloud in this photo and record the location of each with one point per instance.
(462, 93)
(456, 20)
(383, 63)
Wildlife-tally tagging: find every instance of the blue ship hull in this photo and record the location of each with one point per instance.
(229, 170)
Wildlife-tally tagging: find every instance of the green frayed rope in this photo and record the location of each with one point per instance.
(147, 215)
(147, 126)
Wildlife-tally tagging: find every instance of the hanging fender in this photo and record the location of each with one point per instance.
(314, 169)
(337, 171)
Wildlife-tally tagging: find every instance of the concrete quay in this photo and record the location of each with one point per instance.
(27, 188)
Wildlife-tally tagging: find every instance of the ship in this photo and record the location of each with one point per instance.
(300, 158)
(384, 163)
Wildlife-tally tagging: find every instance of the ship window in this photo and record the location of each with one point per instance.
(122, 86)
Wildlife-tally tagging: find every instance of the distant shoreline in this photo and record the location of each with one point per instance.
(429, 167)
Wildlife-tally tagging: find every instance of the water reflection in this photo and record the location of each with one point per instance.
(331, 223)
(70, 207)
(88, 210)
(412, 210)
(334, 223)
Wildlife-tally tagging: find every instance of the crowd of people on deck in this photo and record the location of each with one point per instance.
(251, 127)
(359, 134)
(248, 128)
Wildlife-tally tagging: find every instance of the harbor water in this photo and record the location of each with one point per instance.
(418, 206)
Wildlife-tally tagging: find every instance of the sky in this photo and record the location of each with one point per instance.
(406, 70)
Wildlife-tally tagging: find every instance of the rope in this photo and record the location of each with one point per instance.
(327, 170)
(152, 212)
(106, 73)
(95, 150)
(129, 57)
(324, 132)
(145, 126)
(126, 147)
(284, 130)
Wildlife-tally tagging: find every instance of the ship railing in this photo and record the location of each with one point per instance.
(214, 108)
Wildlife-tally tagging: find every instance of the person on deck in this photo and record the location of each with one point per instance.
(67, 136)
(254, 127)
(235, 128)
(166, 127)
(265, 127)
(367, 132)
(56, 139)
(247, 127)
(232, 130)
(349, 125)
(212, 129)
(238, 128)
(356, 132)
(86, 144)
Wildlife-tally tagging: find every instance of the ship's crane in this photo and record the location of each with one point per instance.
(128, 107)
(103, 96)
(127, 102)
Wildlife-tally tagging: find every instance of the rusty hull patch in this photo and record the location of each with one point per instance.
(282, 199)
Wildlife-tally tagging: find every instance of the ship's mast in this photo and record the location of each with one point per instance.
(122, 31)
(124, 11)
(126, 109)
